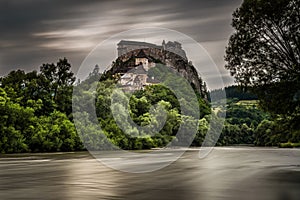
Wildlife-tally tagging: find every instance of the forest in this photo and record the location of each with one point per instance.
(36, 115)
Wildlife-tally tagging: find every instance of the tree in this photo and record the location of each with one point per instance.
(59, 81)
(14, 124)
(264, 51)
(14, 83)
(54, 133)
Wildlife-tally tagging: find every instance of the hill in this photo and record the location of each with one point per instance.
(128, 61)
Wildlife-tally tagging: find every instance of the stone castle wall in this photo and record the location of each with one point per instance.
(127, 46)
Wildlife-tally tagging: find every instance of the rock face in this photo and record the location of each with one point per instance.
(126, 62)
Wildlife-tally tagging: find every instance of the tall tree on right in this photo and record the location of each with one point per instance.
(264, 52)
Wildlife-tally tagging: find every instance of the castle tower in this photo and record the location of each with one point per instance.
(142, 58)
(164, 45)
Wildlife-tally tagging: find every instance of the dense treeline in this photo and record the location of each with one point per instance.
(234, 92)
(152, 129)
(247, 123)
(251, 123)
(36, 110)
(36, 114)
(241, 123)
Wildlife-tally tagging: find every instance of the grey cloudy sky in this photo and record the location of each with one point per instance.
(40, 31)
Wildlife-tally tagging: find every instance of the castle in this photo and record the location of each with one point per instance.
(136, 58)
(125, 46)
(137, 77)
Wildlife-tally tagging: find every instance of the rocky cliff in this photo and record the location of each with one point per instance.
(174, 61)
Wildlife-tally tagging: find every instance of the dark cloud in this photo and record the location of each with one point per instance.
(38, 31)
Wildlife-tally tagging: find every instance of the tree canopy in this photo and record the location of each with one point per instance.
(264, 51)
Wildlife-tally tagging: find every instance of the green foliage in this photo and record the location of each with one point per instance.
(12, 123)
(53, 133)
(203, 127)
(52, 86)
(140, 115)
(264, 52)
(276, 132)
(34, 110)
(241, 123)
(265, 46)
(59, 80)
(247, 124)
(36, 115)
(264, 132)
(240, 114)
(233, 92)
(289, 145)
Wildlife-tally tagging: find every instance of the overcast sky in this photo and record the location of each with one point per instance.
(41, 31)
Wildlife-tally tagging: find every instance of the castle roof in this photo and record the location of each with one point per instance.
(139, 70)
(141, 54)
(126, 76)
(136, 43)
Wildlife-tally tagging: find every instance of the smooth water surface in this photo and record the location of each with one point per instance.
(227, 173)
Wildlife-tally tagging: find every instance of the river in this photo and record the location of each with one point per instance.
(226, 173)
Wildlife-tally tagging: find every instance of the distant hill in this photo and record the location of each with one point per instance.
(233, 92)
